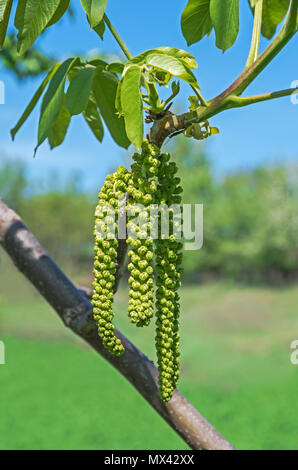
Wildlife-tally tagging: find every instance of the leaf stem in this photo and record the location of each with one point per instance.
(234, 101)
(117, 37)
(256, 34)
(230, 97)
(200, 96)
(282, 38)
(240, 101)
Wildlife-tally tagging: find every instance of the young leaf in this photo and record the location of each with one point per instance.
(79, 90)
(62, 8)
(105, 88)
(95, 10)
(5, 9)
(32, 18)
(214, 131)
(115, 67)
(225, 19)
(171, 65)
(185, 57)
(58, 132)
(132, 105)
(93, 119)
(33, 101)
(196, 20)
(98, 63)
(53, 101)
(274, 12)
(100, 29)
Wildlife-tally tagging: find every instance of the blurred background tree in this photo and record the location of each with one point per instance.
(250, 217)
(32, 63)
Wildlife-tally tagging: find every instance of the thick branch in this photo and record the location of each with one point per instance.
(75, 310)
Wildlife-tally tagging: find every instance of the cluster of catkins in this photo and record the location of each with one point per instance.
(152, 182)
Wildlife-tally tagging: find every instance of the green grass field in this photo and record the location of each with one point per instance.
(56, 393)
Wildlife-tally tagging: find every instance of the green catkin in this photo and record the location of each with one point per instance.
(142, 192)
(105, 256)
(152, 180)
(168, 270)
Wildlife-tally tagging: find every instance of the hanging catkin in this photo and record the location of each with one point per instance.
(152, 181)
(105, 256)
(168, 270)
(142, 196)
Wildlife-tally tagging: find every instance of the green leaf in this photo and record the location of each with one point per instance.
(100, 29)
(171, 65)
(118, 98)
(132, 105)
(32, 17)
(95, 10)
(274, 12)
(214, 131)
(5, 9)
(53, 101)
(196, 20)
(115, 67)
(58, 131)
(62, 8)
(20, 13)
(167, 59)
(79, 90)
(185, 57)
(225, 19)
(33, 102)
(93, 119)
(3, 6)
(98, 63)
(105, 88)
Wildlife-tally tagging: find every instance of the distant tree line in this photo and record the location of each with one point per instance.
(250, 218)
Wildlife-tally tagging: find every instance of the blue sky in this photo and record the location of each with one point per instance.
(263, 133)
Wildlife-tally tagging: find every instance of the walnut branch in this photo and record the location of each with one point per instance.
(230, 97)
(75, 310)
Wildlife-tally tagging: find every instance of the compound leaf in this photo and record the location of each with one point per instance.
(225, 19)
(196, 20)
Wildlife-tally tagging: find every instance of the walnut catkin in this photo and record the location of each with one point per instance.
(142, 196)
(168, 270)
(105, 256)
(152, 181)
